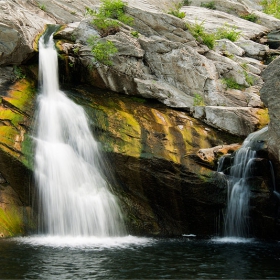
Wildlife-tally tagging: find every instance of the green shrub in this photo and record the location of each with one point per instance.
(198, 31)
(102, 50)
(176, 11)
(226, 32)
(271, 7)
(250, 17)
(209, 5)
(134, 33)
(198, 100)
(186, 2)
(110, 12)
(231, 83)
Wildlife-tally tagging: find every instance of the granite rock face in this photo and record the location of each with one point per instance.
(270, 96)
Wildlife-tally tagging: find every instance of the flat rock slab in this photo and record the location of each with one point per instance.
(239, 121)
(213, 19)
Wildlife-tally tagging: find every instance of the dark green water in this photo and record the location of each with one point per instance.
(137, 258)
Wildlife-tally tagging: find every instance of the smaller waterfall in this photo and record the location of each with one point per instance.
(237, 213)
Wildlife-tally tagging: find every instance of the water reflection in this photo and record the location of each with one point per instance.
(154, 259)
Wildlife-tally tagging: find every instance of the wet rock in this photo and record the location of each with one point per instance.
(211, 156)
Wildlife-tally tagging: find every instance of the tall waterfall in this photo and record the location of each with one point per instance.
(75, 199)
(237, 213)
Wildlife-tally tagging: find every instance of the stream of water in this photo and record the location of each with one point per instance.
(237, 213)
(75, 198)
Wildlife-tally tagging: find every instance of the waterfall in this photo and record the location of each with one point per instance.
(237, 213)
(75, 198)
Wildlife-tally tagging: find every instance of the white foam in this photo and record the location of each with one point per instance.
(232, 240)
(84, 242)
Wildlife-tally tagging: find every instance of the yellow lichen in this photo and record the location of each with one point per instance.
(11, 222)
(263, 116)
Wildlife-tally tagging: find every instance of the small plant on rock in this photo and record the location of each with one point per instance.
(42, 7)
(226, 32)
(209, 5)
(134, 33)
(198, 31)
(102, 50)
(76, 50)
(249, 79)
(198, 100)
(271, 7)
(186, 2)
(176, 11)
(110, 13)
(250, 17)
(231, 83)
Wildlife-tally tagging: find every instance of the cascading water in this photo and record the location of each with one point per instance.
(75, 199)
(237, 213)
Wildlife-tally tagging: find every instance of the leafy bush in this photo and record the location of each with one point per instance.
(102, 50)
(209, 5)
(271, 7)
(226, 32)
(176, 11)
(110, 12)
(198, 31)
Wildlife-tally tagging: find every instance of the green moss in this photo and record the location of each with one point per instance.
(11, 222)
(138, 99)
(21, 94)
(27, 151)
